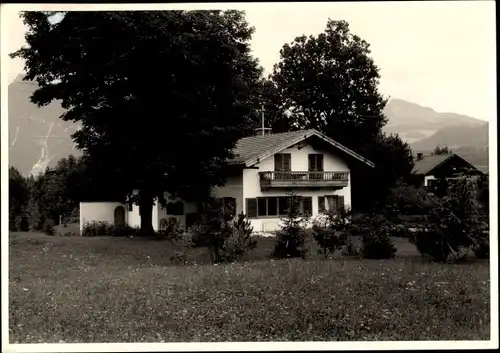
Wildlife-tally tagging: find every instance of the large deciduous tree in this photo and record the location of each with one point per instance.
(162, 96)
(329, 82)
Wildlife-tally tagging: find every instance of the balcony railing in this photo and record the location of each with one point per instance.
(303, 179)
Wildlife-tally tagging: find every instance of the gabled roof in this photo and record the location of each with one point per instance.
(429, 163)
(250, 150)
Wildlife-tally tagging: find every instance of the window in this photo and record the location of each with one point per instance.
(307, 205)
(316, 165)
(130, 206)
(274, 206)
(334, 202)
(262, 206)
(315, 162)
(282, 205)
(282, 162)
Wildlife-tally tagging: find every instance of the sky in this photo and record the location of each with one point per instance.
(436, 54)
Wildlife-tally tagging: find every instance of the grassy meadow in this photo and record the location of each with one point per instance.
(106, 289)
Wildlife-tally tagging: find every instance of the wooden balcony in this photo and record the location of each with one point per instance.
(303, 179)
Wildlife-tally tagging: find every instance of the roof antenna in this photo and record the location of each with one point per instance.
(263, 128)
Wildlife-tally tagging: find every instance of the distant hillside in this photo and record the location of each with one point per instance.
(414, 122)
(456, 136)
(37, 137)
(425, 129)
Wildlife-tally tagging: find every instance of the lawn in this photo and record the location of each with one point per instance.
(106, 289)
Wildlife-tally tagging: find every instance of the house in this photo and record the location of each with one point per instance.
(428, 169)
(263, 172)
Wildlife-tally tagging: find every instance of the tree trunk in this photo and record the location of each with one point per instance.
(146, 212)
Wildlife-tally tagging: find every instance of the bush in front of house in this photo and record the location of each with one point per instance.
(454, 226)
(291, 238)
(331, 232)
(376, 240)
(48, 227)
(96, 228)
(227, 240)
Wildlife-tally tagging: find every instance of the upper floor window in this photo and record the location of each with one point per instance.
(282, 162)
(315, 162)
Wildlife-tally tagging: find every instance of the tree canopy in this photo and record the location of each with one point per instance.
(329, 82)
(162, 96)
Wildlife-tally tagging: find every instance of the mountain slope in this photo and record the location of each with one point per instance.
(414, 122)
(37, 137)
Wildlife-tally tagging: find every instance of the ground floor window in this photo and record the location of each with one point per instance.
(333, 203)
(274, 206)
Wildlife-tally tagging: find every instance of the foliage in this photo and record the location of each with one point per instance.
(332, 232)
(405, 199)
(393, 163)
(329, 82)
(355, 300)
(376, 242)
(18, 198)
(227, 240)
(441, 151)
(48, 227)
(454, 225)
(290, 239)
(207, 86)
(482, 248)
(98, 228)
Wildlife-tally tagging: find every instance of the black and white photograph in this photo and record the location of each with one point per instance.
(249, 176)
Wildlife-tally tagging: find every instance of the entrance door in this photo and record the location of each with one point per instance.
(119, 216)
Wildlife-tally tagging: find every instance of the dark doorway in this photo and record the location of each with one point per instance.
(120, 216)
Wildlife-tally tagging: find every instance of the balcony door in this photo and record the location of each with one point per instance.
(316, 166)
(282, 166)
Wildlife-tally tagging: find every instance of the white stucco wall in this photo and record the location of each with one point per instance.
(299, 162)
(99, 212)
(233, 188)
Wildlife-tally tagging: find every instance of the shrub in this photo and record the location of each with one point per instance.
(290, 239)
(408, 200)
(48, 227)
(376, 242)
(482, 249)
(226, 241)
(454, 226)
(183, 242)
(238, 240)
(169, 228)
(96, 228)
(330, 232)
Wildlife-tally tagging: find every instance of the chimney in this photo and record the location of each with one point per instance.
(420, 156)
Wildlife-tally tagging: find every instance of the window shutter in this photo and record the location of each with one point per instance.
(321, 204)
(307, 205)
(278, 162)
(252, 208)
(287, 157)
(319, 163)
(311, 162)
